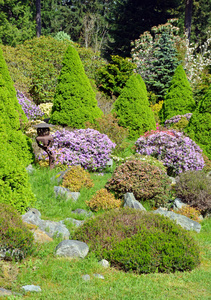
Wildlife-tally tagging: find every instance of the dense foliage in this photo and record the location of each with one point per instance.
(74, 101)
(103, 200)
(86, 147)
(132, 107)
(146, 181)
(15, 237)
(177, 152)
(194, 188)
(141, 242)
(112, 77)
(179, 98)
(76, 178)
(199, 127)
(156, 57)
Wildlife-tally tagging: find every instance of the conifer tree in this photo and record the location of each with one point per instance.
(132, 108)
(179, 98)
(199, 127)
(74, 101)
(10, 86)
(10, 124)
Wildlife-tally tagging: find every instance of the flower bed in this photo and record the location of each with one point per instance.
(178, 152)
(32, 111)
(86, 147)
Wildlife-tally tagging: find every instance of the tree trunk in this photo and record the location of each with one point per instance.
(38, 17)
(188, 17)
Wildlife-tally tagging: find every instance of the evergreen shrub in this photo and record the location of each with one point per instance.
(138, 241)
(177, 152)
(15, 237)
(76, 178)
(103, 200)
(74, 101)
(146, 181)
(86, 147)
(199, 127)
(179, 97)
(194, 188)
(132, 107)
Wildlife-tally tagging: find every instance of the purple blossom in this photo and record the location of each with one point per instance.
(178, 152)
(86, 147)
(32, 111)
(177, 118)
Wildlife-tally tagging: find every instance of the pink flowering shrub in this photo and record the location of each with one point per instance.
(177, 152)
(32, 111)
(86, 147)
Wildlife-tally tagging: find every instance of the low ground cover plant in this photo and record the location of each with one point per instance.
(194, 188)
(146, 181)
(190, 212)
(31, 110)
(177, 152)
(76, 178)
(103, 200)
(86, 147)
(15, 237)
(139, 241)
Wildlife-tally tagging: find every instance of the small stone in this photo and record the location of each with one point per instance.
(31, 288)
(86, 277)
(77, 223)
(81, 211)
(66, 193)
(72, 249)
(30, 169)
(99, 276)
(130, 201)
(104, 263)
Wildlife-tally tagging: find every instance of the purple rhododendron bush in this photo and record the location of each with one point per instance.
(32, 111)
(87, 147)
(177, 152)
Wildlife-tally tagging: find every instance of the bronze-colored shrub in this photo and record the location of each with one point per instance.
(146, 181)
(194, 188)
(103, 200)
(190, 212)
(76, 178)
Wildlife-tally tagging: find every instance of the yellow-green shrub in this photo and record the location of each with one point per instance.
(103, 200)
(76, 178)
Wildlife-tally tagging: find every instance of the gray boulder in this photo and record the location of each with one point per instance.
(81, 211)
(66, 193)
(86, 277)
(104, 263)
(183, 221)
(49, 227)
(72, 249)
(178, 204)
(75, 222)
(4, 292)
(130, 201)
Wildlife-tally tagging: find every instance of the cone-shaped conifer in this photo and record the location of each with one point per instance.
(132, 108)
(179, 98)
(10, 86)
(74, 100)
(199, 127)
(9, 123)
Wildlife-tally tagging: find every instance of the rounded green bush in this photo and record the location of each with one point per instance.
(146, 181)
(139, 241)
(15, 237)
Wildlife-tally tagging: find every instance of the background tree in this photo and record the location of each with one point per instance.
(132, 108)
(38, 17)
(179, 98)
(199, 127)
(74, 100)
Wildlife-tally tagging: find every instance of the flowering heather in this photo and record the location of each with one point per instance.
(86, 147)
(178, 152)
(177, 118)
(32, 111)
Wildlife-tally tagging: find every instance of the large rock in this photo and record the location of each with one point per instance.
(130, 201)
(81, 211)
(51, 228)
(178, 204)
(40, 236)
(31, 288)
(66, 193)
(183, 221)
(75, 222)
(72, 249)
(4, 292)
